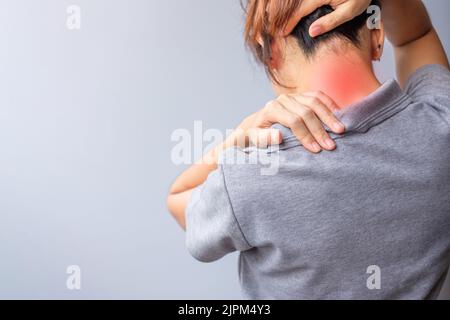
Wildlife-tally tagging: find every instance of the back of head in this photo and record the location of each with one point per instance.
(349, 31)
(266, 19)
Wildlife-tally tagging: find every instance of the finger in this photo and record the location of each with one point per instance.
(341, 15)
(324, 107)
(262, 138)
(297, 126)
(329, 103)
(305, 8)
(312, 122)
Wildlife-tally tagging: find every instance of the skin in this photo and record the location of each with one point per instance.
(339, 69)
(344, 10)
(407, 25)
(415, 43)
(344, 79)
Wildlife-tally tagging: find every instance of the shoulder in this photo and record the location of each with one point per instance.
(429, 89)
(246, 172)
(429, 82)
(212, 229)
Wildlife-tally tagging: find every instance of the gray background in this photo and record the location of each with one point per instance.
(85, 124)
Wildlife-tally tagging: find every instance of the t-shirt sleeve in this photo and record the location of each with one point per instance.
(212, 230)
(430, 83)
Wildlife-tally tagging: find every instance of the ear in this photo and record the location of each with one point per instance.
(276, 53)
(377, 42)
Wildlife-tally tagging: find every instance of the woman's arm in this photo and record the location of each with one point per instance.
(407, 23)
(194, 176)
(303, 114)
(416, 43)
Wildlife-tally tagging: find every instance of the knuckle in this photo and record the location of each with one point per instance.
(315, 94)
(330, 115)
(261, 117)
(314, 100)
(308, 139)
(323, 136)
(295, 121)
(306, 113)
(263, 114)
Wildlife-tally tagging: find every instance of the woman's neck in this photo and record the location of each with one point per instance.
(346, 79)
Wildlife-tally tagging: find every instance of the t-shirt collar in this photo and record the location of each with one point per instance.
(380, 105)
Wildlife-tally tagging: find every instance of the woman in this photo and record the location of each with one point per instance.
(305, 113)
(314, 228)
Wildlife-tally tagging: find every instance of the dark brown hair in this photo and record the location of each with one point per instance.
(265, 19)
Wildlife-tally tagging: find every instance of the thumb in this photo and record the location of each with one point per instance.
(262, 138)
(305, 8)
(331, 21)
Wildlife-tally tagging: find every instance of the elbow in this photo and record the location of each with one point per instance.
(200, 252)
(417, 36)
(169, 200)
(177, 212)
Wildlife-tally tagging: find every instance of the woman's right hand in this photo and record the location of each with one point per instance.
(305, 114)
(344, 10)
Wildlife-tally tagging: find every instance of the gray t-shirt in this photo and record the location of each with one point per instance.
(370, 220)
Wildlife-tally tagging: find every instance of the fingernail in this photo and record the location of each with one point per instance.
(315, 147)
(330, 143)
(315, 31)
(338, 127)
